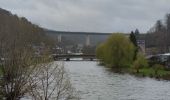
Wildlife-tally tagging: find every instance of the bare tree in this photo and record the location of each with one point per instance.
(160, 37)
(52, 83)
(18, 65)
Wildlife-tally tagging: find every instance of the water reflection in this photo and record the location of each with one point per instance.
(97, 83)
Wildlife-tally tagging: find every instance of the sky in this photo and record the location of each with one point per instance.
(90, 15)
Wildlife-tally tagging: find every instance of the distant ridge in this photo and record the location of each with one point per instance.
(11, 25)
(69, 32)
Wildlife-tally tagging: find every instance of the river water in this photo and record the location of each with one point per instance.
(95, 82)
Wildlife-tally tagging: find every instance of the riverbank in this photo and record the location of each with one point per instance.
(159, 74)
(151, 72)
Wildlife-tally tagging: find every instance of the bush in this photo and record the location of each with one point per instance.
(158, 67)
(116, 52)
(100, 52)
(140, 62)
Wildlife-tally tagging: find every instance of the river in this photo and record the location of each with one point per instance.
(95, 82)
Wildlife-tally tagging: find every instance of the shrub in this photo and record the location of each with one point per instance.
(158, 67)
(117, 51)
(140, 62)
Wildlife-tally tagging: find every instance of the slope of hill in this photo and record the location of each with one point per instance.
(12, 26)
(18, 32)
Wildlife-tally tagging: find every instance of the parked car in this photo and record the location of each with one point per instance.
(162, 59)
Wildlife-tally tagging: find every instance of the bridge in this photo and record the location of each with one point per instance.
(87, 35)
(67, 57)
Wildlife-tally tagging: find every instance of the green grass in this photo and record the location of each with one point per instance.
(162, 73)
(151, 71)
(148, 72)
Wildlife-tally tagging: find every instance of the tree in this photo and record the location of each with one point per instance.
(159, 35)
(137, 32)
(133, 40)
(17, 68)
(52, 82)
(159, 26)
(167, 25)
(118, 52)
(100, 52)
(17, 38)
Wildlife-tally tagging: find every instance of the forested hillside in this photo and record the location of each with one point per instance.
(12, 26)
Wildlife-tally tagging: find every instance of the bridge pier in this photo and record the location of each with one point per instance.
(59, 38)
(87, 40)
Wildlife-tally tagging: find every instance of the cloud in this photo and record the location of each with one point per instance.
(90, 15)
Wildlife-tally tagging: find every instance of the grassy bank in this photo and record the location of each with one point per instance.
(149, 72)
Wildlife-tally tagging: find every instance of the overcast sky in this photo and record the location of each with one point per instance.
(90, 15)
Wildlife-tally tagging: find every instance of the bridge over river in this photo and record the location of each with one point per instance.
(68, 57)
(86, 37)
